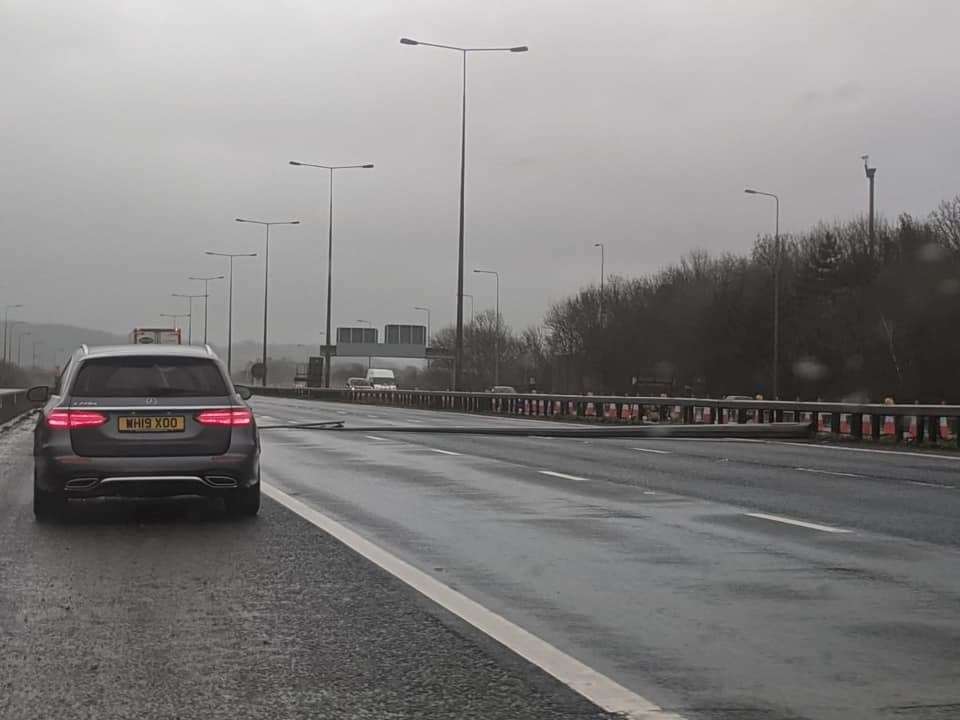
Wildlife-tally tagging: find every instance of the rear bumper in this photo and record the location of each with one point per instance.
(80, 477)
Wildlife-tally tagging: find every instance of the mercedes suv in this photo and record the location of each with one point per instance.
(145, 421)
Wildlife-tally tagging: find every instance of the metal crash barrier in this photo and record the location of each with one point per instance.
(898, 423)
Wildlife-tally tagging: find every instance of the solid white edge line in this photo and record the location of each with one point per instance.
(934, 485)
(374, 437)
(594, 686)
(443, 452)
(929, 456)
(651, 450)
(552, 473)
(799, 523)
(828, 472)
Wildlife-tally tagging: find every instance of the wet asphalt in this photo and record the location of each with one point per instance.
(172, 610)
(666, 564)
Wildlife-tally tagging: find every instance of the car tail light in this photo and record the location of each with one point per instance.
(72, 419)
(233, 417)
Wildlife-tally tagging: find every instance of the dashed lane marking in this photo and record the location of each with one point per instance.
(828, 472)
(551, 473)
(798, 523)
(651, 450)
(594, 686)
(443, 452)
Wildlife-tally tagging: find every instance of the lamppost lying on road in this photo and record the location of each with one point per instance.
(206, 298)
(331, 168)
(458, 351)
(6, 325)
(231, 256)
(266, 279)
(189, 298)
(496, 364)
(776, 292)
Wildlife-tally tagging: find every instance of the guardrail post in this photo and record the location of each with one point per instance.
(898, 428)
(933, 428)
(876, 426)
(920, 424)
(741, 415)
(856, 425)
(835, 423)
(688, 414)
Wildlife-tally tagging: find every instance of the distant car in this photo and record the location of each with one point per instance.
(145, 421)
(356, 383)
(503, 389)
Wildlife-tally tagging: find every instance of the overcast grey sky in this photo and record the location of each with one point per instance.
(134, 132)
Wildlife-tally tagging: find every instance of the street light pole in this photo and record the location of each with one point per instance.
(369, 358)
(266, 279)
(35, 344)
(458, 352)
(189, 298)
(871, 173)
(231, 256)
(330, 168)
(175, 317)
(206, 297)
(6, 325)
(20, 347)
(496, 364)
(466, 295)
(602, 261)
(776, 292)
(427, 311)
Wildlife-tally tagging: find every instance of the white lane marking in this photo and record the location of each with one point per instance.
(594, 686)
(563, 475)
(373, 416)
(828, 472)
(929, 456)
(651, 450)
(540, 437)
(798, 523)
(936, 485)
(268, 418)
(374, 437)
(443, 452)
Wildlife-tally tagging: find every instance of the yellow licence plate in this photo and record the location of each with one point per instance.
(151, 423)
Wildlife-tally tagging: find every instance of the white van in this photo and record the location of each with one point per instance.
(382, 379)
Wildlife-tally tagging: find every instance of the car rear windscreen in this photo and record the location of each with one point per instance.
(148, 377)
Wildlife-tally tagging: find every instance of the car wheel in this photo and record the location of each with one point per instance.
(244, 502)
(47, 506)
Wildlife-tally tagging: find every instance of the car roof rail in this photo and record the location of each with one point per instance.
(84, 348)
(209, 349)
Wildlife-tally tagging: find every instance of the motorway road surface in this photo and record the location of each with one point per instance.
(717, 579)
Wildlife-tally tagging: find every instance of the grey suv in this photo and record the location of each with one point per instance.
(145, 421)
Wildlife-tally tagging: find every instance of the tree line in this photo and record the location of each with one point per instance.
(861, 317)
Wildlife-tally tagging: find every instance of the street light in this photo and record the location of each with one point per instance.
(20, 338)
(189, 298)
(458, 361)
(331, 168)
(369, 358)
(35, 344)
(206, 296)
(427, 311)
(602, 260)
(175, 318)
(496, 364)
(266, 279)
(6, 325)
(776, 291)
(229, 302)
